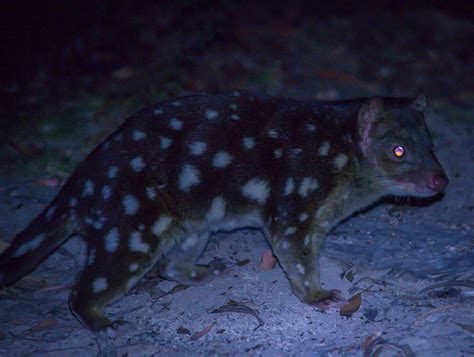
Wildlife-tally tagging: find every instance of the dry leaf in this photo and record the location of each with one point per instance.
(44, 325)
(352, 305)
(267, 261)
(183, 331)
(201, 333)
(53, 288)
(177, 288)
(234, 306)
(344, 77)
(241, 263)
(125, 72)
(48, 182)
(3, 245)
(467, 328)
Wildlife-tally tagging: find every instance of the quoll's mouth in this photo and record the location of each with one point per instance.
(435, 184)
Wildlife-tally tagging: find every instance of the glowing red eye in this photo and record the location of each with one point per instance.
(399, 151)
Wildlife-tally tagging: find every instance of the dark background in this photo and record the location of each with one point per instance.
(73, 70)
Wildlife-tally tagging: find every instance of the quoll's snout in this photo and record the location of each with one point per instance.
(438, 182)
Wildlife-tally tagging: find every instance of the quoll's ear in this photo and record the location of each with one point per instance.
(419, 103)
(369, 113)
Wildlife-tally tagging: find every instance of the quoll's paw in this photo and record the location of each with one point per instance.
(327, 299)
(118, 328)
(219, 267)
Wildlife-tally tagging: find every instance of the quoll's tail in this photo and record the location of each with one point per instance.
(35, 243)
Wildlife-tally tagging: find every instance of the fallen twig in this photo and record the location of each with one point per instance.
(435, 311)
(450, 283)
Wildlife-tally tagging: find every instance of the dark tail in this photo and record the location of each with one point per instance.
(36, 242)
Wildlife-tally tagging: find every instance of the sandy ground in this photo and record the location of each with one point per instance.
(413, 263)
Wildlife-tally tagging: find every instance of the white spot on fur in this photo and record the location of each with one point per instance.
(217, 210)
(340, 161)
(311, 128)
(150, 193)
(135, 244)
(309, 184)
(197, 148)
(324, 149)
(112, 240)
(91, 257)
(176, 103)
(130, 204)
(325, 225)
(113, 171)
(234, 117)
(157, 111)
(211, 114)
(295, 152)
(320, 211)
(88, 188)
(290, 230)
(248, 142)
(141, 227)
(221, 159)
(50, 211)
(137, 164)
(306, 240)
(300, 268)
(98, 285)
(133, 267)
(233, 106)
(138, 135)
(285, 244)
(277, 153)
(193, 274)
(106, 192)
(188, 177)
(30, 245)
(165, 142)
(190, 242)
(132, 282)
(303, 217)
(273, 133)
(306, 283)
(236, 94)
(161, 225)
(256, 189)
(289, 186)
(176, 124)
(73, 202)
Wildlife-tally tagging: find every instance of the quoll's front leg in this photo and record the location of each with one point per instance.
(297, 251)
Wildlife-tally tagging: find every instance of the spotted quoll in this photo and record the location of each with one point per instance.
(153, 192)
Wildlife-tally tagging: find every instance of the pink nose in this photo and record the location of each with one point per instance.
(438, 182)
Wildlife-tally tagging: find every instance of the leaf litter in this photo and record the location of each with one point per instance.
(238, 307)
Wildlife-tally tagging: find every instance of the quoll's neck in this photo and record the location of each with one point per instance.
(338, 121)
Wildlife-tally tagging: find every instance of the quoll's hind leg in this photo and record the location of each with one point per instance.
(179, 264)
(105, 278)
(298, 254)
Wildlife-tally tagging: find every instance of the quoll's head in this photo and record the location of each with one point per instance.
(395, 141)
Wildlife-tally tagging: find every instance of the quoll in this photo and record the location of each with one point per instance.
(155, 190)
